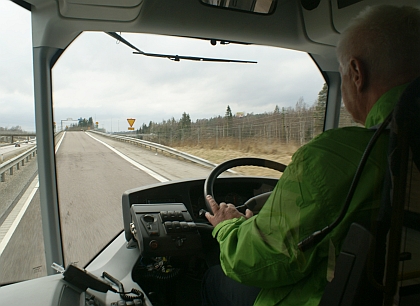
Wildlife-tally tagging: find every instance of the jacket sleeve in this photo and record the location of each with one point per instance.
(262, 251)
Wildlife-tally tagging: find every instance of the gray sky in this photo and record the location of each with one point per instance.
(100, 78)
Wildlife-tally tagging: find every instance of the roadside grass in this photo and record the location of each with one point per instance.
(228, 149)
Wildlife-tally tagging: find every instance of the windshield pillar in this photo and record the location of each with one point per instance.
(43, 61)
(332, 112)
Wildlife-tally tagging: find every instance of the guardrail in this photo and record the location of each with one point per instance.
(162, 148)
(16, 162)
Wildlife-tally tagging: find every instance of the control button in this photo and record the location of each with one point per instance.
(149, 218)
(153, 244)
(177, 225)
(171, 215)
(164, 215)
(179, 216)
(169, 226)
(179, 242)
(192, 225)
(184, 226)
(133, 229)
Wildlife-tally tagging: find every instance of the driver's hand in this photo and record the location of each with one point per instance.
(224, 212)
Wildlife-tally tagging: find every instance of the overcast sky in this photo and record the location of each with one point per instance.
(100, 78)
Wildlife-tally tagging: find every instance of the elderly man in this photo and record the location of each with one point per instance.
(378, 55)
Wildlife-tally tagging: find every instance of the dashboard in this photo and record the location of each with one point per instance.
(235, 190)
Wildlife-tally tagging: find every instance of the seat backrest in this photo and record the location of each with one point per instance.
(350, 286)
(403, 255)
(361, 275)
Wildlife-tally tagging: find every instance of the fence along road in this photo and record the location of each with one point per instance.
(91, 180)
(15, 162)
(159, 148)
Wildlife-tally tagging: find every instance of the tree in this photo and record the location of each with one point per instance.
(285, 119)
(228, 119)
(185, 121)
(319, 111)
(228, 113)
(144, 129)
(16, 128)
(83, 123)
(322, 97)
(301, 120)
(184, 126)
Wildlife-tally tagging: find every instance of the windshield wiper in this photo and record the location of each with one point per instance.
(172, 57)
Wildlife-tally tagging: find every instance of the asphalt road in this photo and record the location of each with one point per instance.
(12, 186)
(10, 151)
(91, 180)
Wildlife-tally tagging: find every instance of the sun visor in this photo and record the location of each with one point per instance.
(106, 10)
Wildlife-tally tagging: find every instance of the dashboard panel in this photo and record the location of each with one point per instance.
(235, 190)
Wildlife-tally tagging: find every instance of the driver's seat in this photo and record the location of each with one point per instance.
(362, 275)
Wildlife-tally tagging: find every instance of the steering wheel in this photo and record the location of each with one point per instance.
(244, 161)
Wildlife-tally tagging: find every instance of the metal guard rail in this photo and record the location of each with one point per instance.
(16, 161)
(162, 148)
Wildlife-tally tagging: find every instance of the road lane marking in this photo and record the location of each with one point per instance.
(12, 221)
(59, 142)
(133, 162)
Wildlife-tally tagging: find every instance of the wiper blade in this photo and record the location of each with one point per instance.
(121, 39)
(177, 58)
(174, 57)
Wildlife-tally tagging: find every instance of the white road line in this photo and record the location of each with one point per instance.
(59, 143)
(12, 221)
(133, 162)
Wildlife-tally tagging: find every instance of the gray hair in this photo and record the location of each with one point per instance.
(387, 40)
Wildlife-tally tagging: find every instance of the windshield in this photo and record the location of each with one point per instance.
(104, 93)
(216, 111)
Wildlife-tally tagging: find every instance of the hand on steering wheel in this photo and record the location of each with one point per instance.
(245, 161)
(224, 212)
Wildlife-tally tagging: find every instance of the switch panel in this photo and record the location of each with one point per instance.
(164, 229)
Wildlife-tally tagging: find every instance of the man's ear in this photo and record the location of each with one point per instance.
(358, 74)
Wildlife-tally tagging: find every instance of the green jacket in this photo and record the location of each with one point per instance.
(262, 251)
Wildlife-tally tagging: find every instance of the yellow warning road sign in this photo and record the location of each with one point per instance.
(131, 129)
(131, 121)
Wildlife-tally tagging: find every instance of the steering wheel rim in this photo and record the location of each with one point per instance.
(243, 161)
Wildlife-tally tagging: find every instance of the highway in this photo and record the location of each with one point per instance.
(92, 175)
(9, 151)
